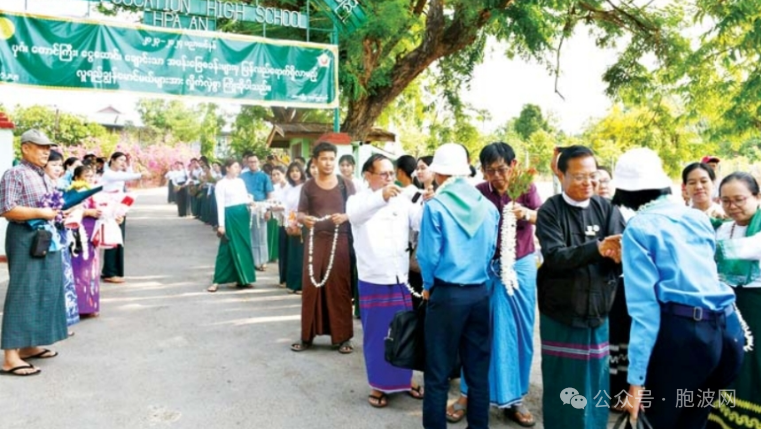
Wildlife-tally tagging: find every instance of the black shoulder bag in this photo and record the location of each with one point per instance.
(624, 423)
(41, 243)
(405, 342)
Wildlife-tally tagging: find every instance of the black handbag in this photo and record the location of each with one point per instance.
(41, 243)
(623, 422)
(405, 343)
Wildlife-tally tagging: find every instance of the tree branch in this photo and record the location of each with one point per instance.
(566, 31)
(419, 6)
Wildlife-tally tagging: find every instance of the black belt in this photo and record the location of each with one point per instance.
(438, 282)
(698, 314)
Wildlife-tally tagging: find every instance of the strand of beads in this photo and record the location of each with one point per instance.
(311, 253)
(507, 249)
(412, 291)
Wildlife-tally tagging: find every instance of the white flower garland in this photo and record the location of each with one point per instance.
(332, 253)
(412, 291)
(746, 330)
(84, 241)
(507, 249)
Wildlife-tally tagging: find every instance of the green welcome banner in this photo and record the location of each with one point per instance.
(82, 54)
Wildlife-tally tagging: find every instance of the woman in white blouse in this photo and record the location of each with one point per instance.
(235, 262)
(738, 257)
(280, 184)
(295, 245)
(114, 179)
(698, 186)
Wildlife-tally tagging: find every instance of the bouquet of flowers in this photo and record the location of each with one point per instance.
(518, 183)
(53, 200)
(106, 234)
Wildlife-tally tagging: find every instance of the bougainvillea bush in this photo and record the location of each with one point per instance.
(155, 159)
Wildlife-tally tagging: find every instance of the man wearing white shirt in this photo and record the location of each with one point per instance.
(381, 218)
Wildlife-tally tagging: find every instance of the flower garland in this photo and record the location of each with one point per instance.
(518, 183)
(412, 291)
(446, 183)
(332, 253)
(746, 330)
(53, 200)
(507, 249)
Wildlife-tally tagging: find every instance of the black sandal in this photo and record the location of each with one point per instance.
(300, 346)
(418, 392)
(378, 401)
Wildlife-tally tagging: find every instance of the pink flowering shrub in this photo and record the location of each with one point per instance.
(155, 159)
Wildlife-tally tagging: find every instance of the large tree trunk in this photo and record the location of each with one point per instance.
(440, 39)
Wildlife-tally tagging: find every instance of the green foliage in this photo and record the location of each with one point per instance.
(210, 128)
(62, 127)
(656, 127)
(530, 121)
(250, 132)
(539, 148)
(171, 120)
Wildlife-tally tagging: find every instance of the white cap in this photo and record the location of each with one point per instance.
(450, 159)
(640, 169)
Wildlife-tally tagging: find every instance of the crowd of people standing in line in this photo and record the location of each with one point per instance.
(412, 233)
(639, 295)
(54, 261)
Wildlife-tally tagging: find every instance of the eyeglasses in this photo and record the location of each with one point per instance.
(385, 174)
(502, 171)
(737, 201)
(580, 178)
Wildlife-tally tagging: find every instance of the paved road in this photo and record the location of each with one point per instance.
(165, 353)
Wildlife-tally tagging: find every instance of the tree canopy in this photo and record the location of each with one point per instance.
(685, 81)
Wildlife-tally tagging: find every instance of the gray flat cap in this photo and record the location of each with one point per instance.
(37, 137)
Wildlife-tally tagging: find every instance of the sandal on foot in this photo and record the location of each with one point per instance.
(458, 412)
(345, 348)
(44, 354)
(300, 346)
(15, 371)
(213, 288)
(416, 392)
(378, 401)
(521, 415)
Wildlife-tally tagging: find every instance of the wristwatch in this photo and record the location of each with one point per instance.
(527, 216)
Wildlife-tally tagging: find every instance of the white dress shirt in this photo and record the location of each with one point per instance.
(291, 197)
(229, 192)
(278, 194)
(179, 177)
(381, 235)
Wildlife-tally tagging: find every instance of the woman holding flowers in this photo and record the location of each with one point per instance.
(86, 261)
(512, 284)
(295, 243)
(235, 262)
(54, 170)
(738, 258)
(114, 181)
